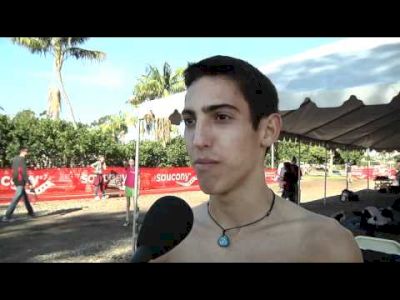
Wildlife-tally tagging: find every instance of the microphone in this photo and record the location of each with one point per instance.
(166, 224)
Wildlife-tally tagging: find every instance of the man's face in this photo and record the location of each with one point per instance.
(24, 153)
(223, 146)
(131, 162)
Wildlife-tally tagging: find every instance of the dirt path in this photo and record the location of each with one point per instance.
(92, 231)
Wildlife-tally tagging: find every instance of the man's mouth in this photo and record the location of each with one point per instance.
(205, 163)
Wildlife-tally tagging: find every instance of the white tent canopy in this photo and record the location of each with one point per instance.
(353, 124)
(348, 90)
(162, 107)
(366, 68)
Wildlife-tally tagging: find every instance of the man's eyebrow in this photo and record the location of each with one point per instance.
(210, 108)
(188, 112)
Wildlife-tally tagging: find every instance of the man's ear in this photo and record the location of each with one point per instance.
(270, 128)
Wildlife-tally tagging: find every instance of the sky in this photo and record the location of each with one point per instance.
(97, 89)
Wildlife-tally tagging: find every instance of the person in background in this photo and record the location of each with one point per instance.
(289, 180)
(297, 172)
(129, 187)
(280, 171)
(397, 176)
(20, 179)
(99, 166)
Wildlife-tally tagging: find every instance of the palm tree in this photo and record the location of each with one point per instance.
(54, 103)
(116, 125)
(61, 48)
(155, 85)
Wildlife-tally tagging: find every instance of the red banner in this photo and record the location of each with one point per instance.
(76, 183)
(372, 172)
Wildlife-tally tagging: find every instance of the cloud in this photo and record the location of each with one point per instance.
(105, 75)
(347, 46)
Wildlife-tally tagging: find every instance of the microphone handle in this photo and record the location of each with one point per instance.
(143, 254)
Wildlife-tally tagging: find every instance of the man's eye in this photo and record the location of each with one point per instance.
(222, 117)
(189, 122)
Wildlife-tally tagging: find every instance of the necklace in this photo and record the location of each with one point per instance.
(223, 240)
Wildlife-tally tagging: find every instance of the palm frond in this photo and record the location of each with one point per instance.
(34, 44)
(79, 53)
(153, 73)
(74, 41)
(167, 76)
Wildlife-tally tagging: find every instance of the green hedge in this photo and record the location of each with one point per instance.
(59, 144)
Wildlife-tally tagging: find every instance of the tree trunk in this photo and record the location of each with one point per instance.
(54, 103)
(58, 71)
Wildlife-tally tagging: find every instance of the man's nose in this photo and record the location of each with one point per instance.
(202, 135)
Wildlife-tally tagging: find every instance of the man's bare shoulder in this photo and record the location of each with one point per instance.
(332, 242)
(303, 235)
(322, 238)
(329, 240)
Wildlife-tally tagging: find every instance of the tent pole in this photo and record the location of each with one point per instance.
(326, 170)
(298, 177)
(347, 174)
(136, 190)
(272, 155)
(368, 166)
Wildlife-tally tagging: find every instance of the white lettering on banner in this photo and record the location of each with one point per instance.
(172, 177)
(87, 178)
(189, 183)
(40, 189)
(90, 178)
(84, 179)
(5, 181)
(34, 179)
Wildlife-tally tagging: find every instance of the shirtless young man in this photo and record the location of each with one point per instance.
(231, 119)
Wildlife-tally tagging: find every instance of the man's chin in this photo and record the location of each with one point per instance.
(207, 188)
(211, 188)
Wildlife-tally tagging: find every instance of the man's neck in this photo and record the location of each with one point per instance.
(241, 206)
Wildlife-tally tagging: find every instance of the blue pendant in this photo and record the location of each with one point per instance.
(223, 241)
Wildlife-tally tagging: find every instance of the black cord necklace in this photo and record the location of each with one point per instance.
(223, 240)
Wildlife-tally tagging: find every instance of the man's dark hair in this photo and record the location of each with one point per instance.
(23, 148)
(259, 92)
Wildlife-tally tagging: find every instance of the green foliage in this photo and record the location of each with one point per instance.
(313, 154)
(156, 84)
(286, 149)
(176, 153)
(353, 156)
(56, 143)
(6, 127)
(152, 154)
